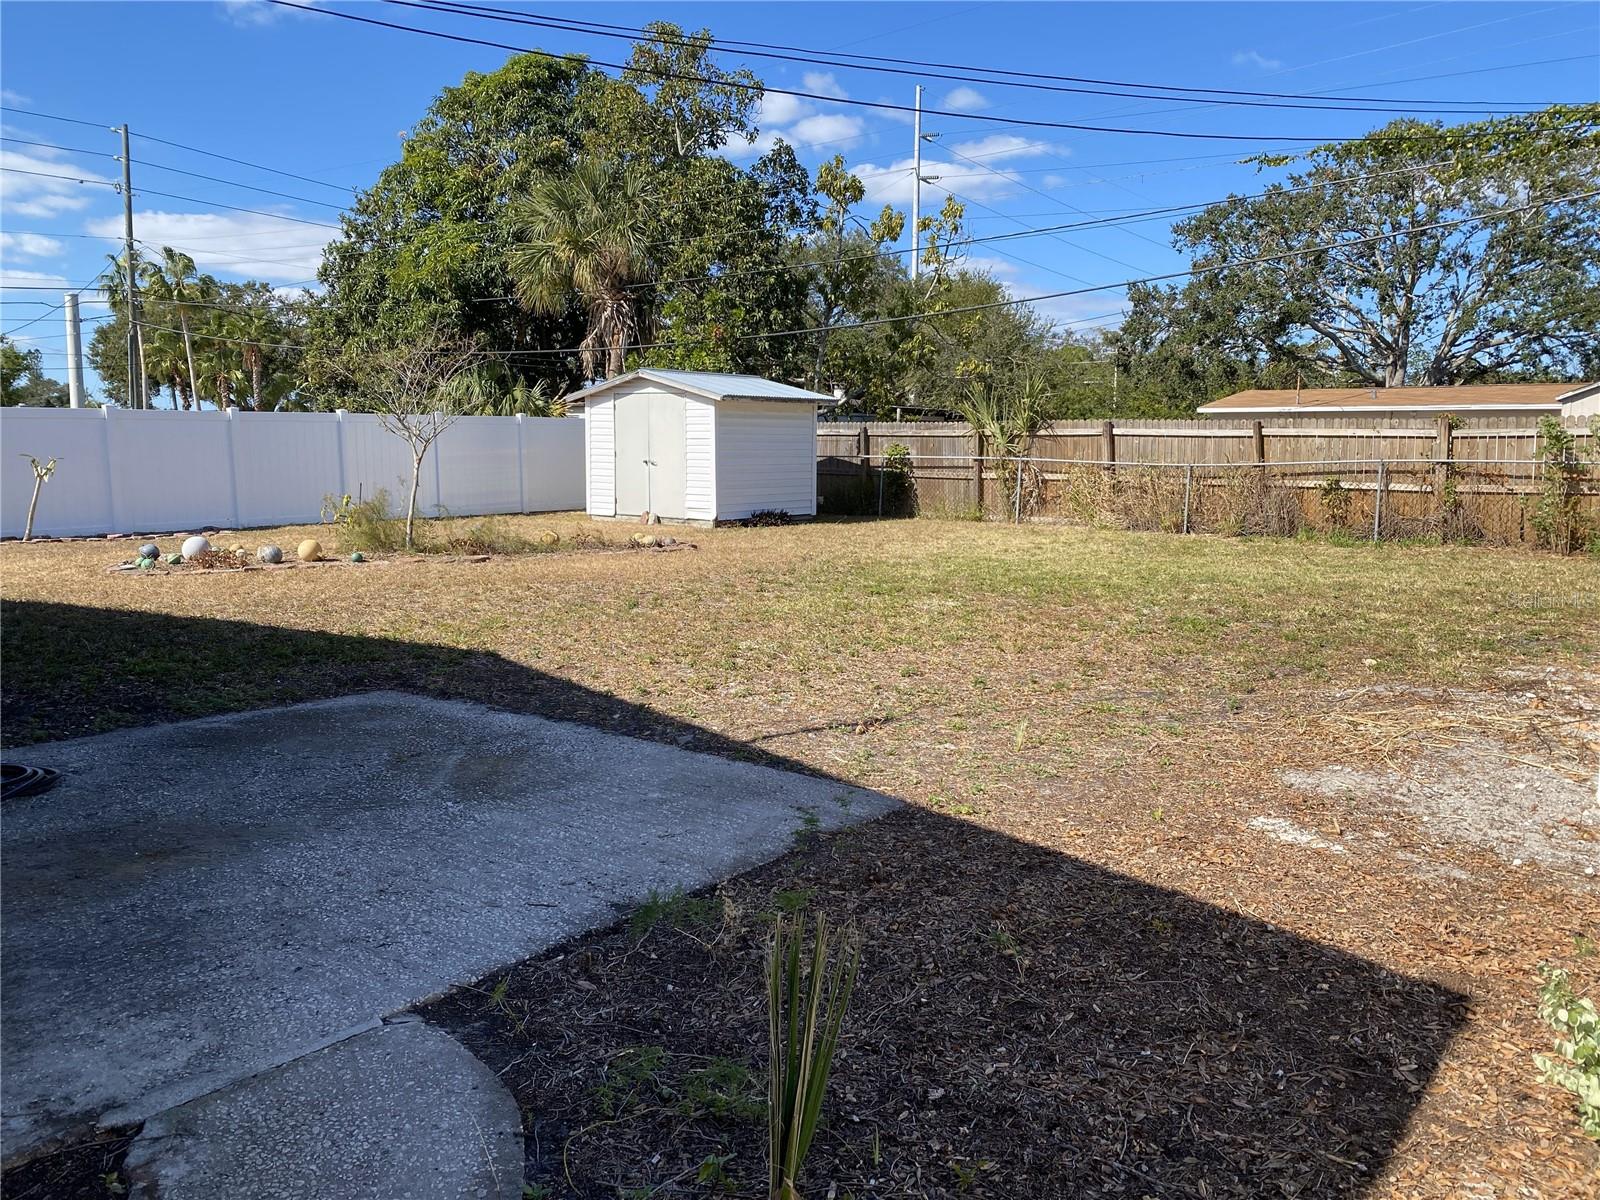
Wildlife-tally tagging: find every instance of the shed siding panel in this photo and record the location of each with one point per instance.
(700, 448)
(600, 426)
(765, 458)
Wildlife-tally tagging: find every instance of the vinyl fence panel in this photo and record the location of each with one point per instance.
(152, 472)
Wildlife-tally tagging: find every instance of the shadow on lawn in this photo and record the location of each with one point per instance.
(1079, 1031)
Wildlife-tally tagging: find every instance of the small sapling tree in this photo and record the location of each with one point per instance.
(41, 475)
(415, 390)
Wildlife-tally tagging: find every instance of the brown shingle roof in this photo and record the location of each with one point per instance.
(1496, 395)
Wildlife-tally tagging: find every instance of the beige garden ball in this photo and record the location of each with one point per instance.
(310, 550)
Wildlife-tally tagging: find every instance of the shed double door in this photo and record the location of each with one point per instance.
(650, 454)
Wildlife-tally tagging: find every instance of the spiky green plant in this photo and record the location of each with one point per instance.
(806, 1001)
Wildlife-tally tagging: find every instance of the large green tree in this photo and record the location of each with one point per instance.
(1395, 261)
(23, 381)
(425, 248)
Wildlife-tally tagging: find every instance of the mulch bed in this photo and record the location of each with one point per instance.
(1025, 1024)
(90, 1169)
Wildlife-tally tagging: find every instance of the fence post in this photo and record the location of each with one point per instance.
(1258, 444)
(1443, 452)
(111, 474)
(880, 493)
(1108, 444)
(864, 450)
(338, 439)
(977, 469)
(1377, 501)
(438, 471)
(1016, 502)
(233, 467)
(522, 483)
(1188, 483)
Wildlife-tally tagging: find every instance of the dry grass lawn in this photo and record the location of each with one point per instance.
(1128, 941)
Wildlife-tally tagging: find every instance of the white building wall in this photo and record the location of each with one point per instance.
(700, 459)
(1581, 409)
(152, 472)
(766, 458)
(601, 454)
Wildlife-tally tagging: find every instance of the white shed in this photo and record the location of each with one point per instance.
(699, 446)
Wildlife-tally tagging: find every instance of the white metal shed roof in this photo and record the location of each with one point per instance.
(713, 386)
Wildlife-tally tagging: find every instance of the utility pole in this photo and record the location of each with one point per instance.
(916, 187)
(136, 395)
(917, 180)
(74, 351)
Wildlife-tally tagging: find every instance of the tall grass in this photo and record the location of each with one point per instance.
(806, 1002)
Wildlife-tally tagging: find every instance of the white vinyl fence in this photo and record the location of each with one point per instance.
(125, 471)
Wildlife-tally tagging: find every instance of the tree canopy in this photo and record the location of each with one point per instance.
(1420, 254)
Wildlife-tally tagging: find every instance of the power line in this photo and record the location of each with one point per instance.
(242, 162)
(143, 191)
(904, 66)
(1119, 221)
(880, 105)
(54, 308)
(177, 171)
(1011, 302)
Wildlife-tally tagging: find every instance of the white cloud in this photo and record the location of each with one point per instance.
(800, 122)
(779, 108)
(1000, 268)
(825, 83)
(10, 277)
(824, 129)
(9, 97)
(29, 245)
(892, 184)
(51, 188)
(965, 99)
(1096, 310)
(998, 147)
(1254, 58)
(255, 13)
(253, 247)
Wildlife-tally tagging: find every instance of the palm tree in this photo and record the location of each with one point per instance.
(115, 285)
(252, 330)
(584, 233)
(174, 282)
(493, 390)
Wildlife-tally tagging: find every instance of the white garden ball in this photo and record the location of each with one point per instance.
(195, 545)
(270, 554)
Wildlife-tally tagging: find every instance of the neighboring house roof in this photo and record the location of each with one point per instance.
(1521, 396)
(712, 386)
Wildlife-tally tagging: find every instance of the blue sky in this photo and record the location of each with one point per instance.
(329, 99)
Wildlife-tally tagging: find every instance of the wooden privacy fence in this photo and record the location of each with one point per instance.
(1479, 479)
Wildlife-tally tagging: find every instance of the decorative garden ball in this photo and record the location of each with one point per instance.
(145, 562)
(310, 550)
(270, 554)
(149, 550)
(195, 545)
(358, 557)
(174, 559)
(549, 538)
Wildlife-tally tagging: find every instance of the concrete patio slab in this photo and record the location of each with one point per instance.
(401, 1112)
(201, 902)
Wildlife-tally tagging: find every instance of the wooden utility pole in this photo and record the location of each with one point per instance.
(136, 392)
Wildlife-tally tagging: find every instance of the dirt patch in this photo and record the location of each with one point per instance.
(1522, 813)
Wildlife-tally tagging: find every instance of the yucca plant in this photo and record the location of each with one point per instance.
(806, 1001)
